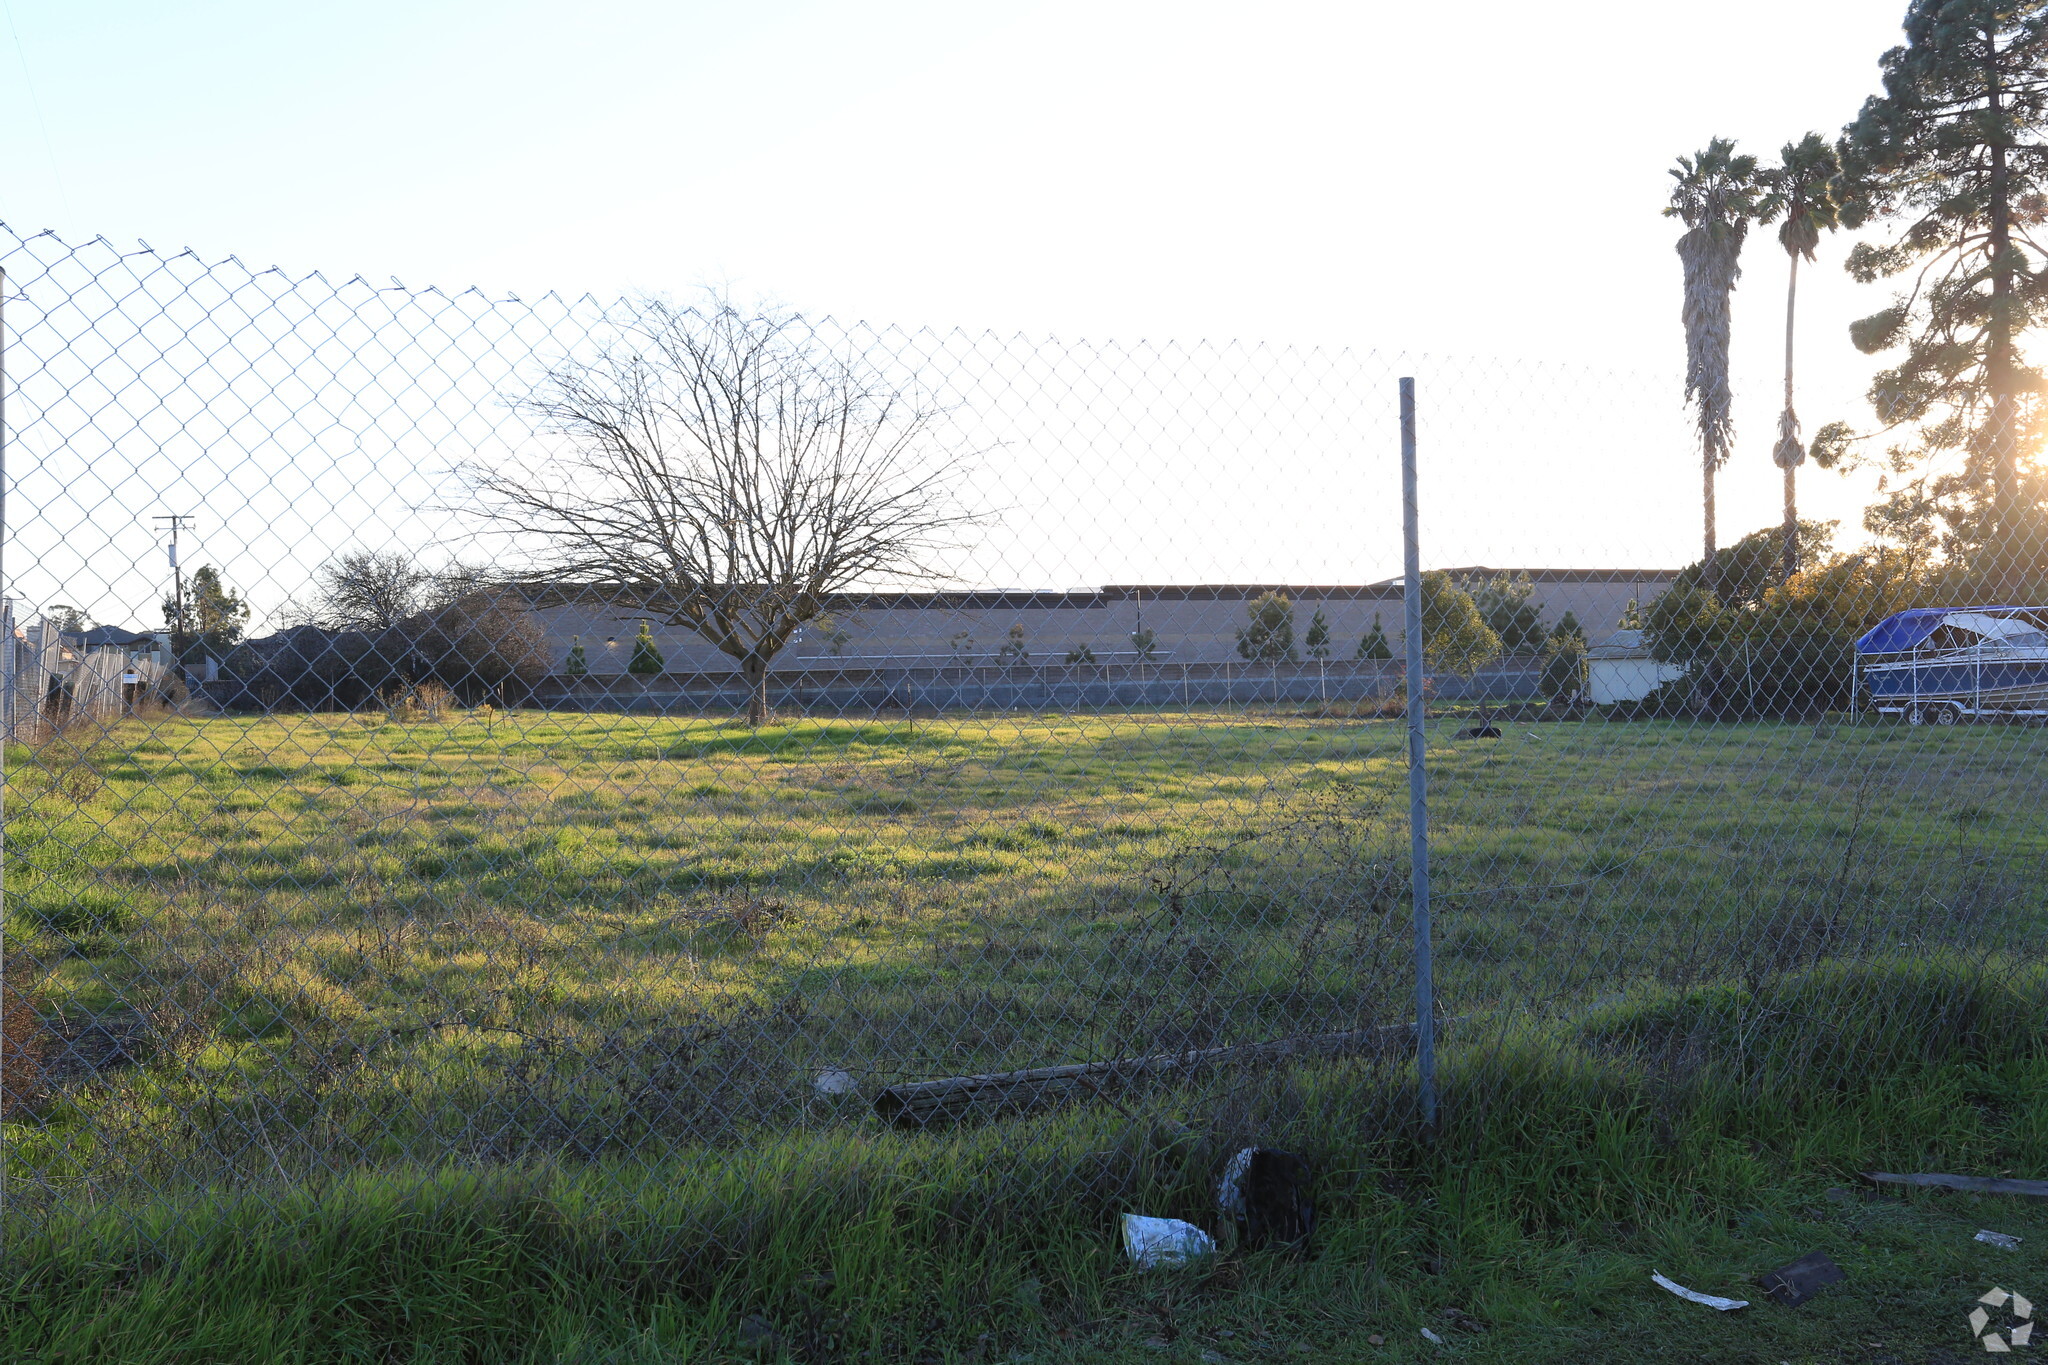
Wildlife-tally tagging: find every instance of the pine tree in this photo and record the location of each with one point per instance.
(1953, 152)
(646, 661)
(1564, 659)
(1374, 645)
(1317, 640)
(1270, 636)
(578, 666)
(1509, 606)
(1455, 637)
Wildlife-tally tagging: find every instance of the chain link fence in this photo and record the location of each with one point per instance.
(711, 756)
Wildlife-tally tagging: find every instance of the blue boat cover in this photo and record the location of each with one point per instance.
(1904, 629)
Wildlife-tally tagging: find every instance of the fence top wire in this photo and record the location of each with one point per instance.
(307, 412)
(1092, 803)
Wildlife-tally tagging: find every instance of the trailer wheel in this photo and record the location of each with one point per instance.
(1914, 716)
(1948, 715)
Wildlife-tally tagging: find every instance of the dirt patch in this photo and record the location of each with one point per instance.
(84, 1049)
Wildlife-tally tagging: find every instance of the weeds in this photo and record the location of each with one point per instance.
(24, 1048)
(1390, 706)
(553, 938)
(742, 917)
(859, 1242)
(417, 703)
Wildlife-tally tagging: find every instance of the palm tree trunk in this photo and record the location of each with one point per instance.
(1785, 430)
(1706, 697)
(1710, 577)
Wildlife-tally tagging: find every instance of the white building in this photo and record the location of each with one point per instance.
(1620, 668)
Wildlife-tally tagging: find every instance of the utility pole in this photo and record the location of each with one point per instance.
(178, 521)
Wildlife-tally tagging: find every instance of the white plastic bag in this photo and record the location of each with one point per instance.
(1155, 1242)
(834, 1083)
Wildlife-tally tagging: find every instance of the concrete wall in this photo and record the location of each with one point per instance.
(1192, 624)
(855, 690)
(938, 631)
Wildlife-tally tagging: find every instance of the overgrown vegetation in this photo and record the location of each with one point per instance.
(1574, 1161)
(1761, 644)
(555, 989)
(533, 918)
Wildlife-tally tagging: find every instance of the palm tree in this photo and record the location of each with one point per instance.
(1715, 197)
(1802, 192)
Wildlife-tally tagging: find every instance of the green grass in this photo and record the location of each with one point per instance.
(492, 1039)
(1538, 1221)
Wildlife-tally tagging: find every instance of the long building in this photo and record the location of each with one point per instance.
(1187, 623)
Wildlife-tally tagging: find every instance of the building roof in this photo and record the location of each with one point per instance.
(1622, 644)
(114, 637)
(1481, 571)
(629, 597)
(309, 640)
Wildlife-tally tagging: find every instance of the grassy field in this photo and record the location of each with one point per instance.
(1519, 1237)
(525, 978)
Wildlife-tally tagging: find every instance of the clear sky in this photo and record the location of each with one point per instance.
(1479, 180)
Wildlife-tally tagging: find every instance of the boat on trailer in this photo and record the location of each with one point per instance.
(1943, 665)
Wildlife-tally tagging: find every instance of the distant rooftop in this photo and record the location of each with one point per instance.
(998, 599)
(1553, 575)
(112, 637)
(1621, 644)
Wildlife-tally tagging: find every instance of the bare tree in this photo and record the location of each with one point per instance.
(728, 471)
(368, 590)
(477, 637)
(388, 623)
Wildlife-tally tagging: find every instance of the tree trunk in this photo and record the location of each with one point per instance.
(1791, 564)
(755, 670)
(1710, 575)
(1785, 429)
(1707, 683)
(2004, 399)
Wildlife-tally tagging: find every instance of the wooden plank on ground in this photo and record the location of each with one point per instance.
(916, 1104)
(1975, 1184)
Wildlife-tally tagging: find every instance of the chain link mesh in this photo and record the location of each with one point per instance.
(385, 837)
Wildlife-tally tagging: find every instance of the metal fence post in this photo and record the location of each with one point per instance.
(12, 720)
(1418, 778)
